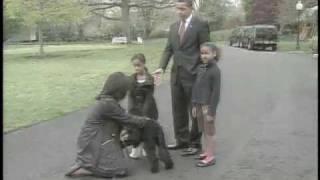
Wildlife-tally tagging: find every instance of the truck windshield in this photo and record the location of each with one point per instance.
(264, 31)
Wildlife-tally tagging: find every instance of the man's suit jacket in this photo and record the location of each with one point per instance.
(187, 53)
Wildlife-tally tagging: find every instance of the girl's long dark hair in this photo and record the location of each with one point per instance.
(115, 86)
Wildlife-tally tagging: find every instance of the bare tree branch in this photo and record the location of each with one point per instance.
(106, 17)
(156, 1)
(149, 5)
(157, 4)
(102, 8)
(104, 4)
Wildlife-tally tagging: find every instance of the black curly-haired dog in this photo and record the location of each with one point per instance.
(152, 137)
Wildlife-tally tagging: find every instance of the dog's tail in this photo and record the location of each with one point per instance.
(161, 138)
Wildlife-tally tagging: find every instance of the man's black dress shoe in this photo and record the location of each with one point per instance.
(177, 146)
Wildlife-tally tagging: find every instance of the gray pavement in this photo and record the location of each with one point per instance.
(266, 127)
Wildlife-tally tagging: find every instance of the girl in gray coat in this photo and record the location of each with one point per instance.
(205, 99)
(99, 150)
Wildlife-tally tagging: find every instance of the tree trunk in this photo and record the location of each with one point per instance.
(147, 13)
(281, 29)
(147, 31)
(125, 19)
(80, 32)
(41, 52)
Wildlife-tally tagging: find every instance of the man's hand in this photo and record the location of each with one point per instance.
(147, 118)
(158, 71)
(205, 110)
(207, 116)
(157, 76)
(194, 112)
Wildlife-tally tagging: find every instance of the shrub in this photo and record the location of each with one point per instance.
(158, 34)
(221, 35)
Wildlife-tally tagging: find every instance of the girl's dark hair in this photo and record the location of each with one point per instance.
(139, 56)
(188, 2)
(213, 48)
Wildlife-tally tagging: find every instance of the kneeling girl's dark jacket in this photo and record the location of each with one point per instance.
(99, 148)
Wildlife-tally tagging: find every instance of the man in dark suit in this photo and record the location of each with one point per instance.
(185, 38)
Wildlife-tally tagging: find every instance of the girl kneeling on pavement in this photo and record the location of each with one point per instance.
(99, 150)
(205, 98)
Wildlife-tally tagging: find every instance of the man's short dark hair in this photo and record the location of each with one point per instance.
(188, 2)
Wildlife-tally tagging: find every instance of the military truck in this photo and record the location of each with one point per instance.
(237, 35)
(260, 37)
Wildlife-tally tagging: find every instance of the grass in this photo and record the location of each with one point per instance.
(69, 76)
(221, 35)
(34, 49)
(305, 46)
(67, 79)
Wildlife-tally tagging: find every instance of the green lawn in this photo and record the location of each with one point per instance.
(291, 46)
(67, 79)
(33, 49)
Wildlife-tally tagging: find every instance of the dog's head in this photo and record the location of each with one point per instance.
(130, 135)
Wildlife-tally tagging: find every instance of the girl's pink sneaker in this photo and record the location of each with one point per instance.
(201, 156)
(208, 161)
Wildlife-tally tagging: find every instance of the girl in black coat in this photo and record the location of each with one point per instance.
(140, 100)
(205, 98)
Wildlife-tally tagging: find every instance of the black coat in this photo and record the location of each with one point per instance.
(206, 89)
(141, 100)
(99, 148)
(99, 143)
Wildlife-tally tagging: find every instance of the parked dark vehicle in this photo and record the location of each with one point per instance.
(234, 39)
(236, 36)
(260, 37)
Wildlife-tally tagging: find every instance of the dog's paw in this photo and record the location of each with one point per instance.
(155, 168)
(169, 165)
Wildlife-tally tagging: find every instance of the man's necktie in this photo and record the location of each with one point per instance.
(182, 30)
